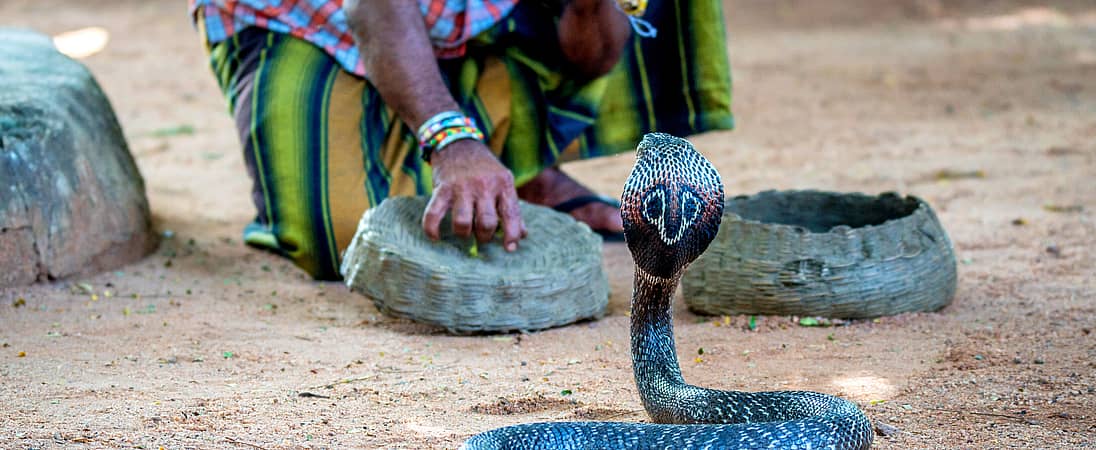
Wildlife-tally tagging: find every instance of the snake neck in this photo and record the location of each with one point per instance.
(654, 357)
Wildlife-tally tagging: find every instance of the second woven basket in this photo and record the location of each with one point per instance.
(812, 253)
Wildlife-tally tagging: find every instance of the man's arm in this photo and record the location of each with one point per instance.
(468, 179)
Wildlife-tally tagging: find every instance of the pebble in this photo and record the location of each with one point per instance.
(884, 429)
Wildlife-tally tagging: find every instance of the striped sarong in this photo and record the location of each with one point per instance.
(322, 147)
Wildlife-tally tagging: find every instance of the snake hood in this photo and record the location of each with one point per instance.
(673, 204)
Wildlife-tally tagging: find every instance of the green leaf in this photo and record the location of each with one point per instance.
(227, 354)
(177, 130)
(83, 288)
(565, 392)
(809, 322)
(753, 323)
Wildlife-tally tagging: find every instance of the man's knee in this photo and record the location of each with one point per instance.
(592, 35)
(595, 61)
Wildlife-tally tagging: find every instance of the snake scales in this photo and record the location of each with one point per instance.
(672, 206)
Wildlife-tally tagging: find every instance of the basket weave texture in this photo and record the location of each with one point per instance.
(554, 278)
(813, 253)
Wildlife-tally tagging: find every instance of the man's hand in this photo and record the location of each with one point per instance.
(470, 182)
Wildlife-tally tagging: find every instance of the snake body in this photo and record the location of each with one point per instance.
(672, 206)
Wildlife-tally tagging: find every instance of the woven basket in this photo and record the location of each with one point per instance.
(554, 278)
(812, 253)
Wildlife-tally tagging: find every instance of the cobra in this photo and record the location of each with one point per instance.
(672, 206)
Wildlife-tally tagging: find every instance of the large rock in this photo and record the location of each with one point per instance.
(71, 199)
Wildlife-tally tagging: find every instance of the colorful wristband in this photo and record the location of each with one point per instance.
(444, 129)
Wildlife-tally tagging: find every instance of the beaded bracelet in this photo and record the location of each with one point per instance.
(450, 135)
(445, 128)
(441, 120)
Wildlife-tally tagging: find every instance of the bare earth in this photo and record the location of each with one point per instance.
(987, 109)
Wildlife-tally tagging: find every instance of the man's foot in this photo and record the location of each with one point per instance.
(552, 187)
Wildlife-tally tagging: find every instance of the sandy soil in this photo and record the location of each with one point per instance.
(208, 344)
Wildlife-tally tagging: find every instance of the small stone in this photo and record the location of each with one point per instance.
(1039, 361)
(1054, 251)
(1017, 360)
(884, 429)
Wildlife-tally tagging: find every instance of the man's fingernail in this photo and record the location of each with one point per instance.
(511, 246)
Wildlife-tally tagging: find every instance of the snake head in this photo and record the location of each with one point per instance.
(672, 205)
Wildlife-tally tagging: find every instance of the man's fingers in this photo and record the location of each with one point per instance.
(513, 228)
(435, 212)
(487, 219)
(462, 215)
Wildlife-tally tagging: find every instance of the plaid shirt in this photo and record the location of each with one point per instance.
(450, 23)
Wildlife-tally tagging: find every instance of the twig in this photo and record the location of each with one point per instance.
(393, 369)
(988, 414)
(621, 414)
(343, 381)
(599, 419)
(234, 441)
(307, 394)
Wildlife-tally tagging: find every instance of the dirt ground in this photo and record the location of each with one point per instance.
(987, 109)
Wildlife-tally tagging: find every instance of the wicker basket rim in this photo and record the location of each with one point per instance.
(565, 255)
(482, 270)
(922, 208)
(561, 256)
